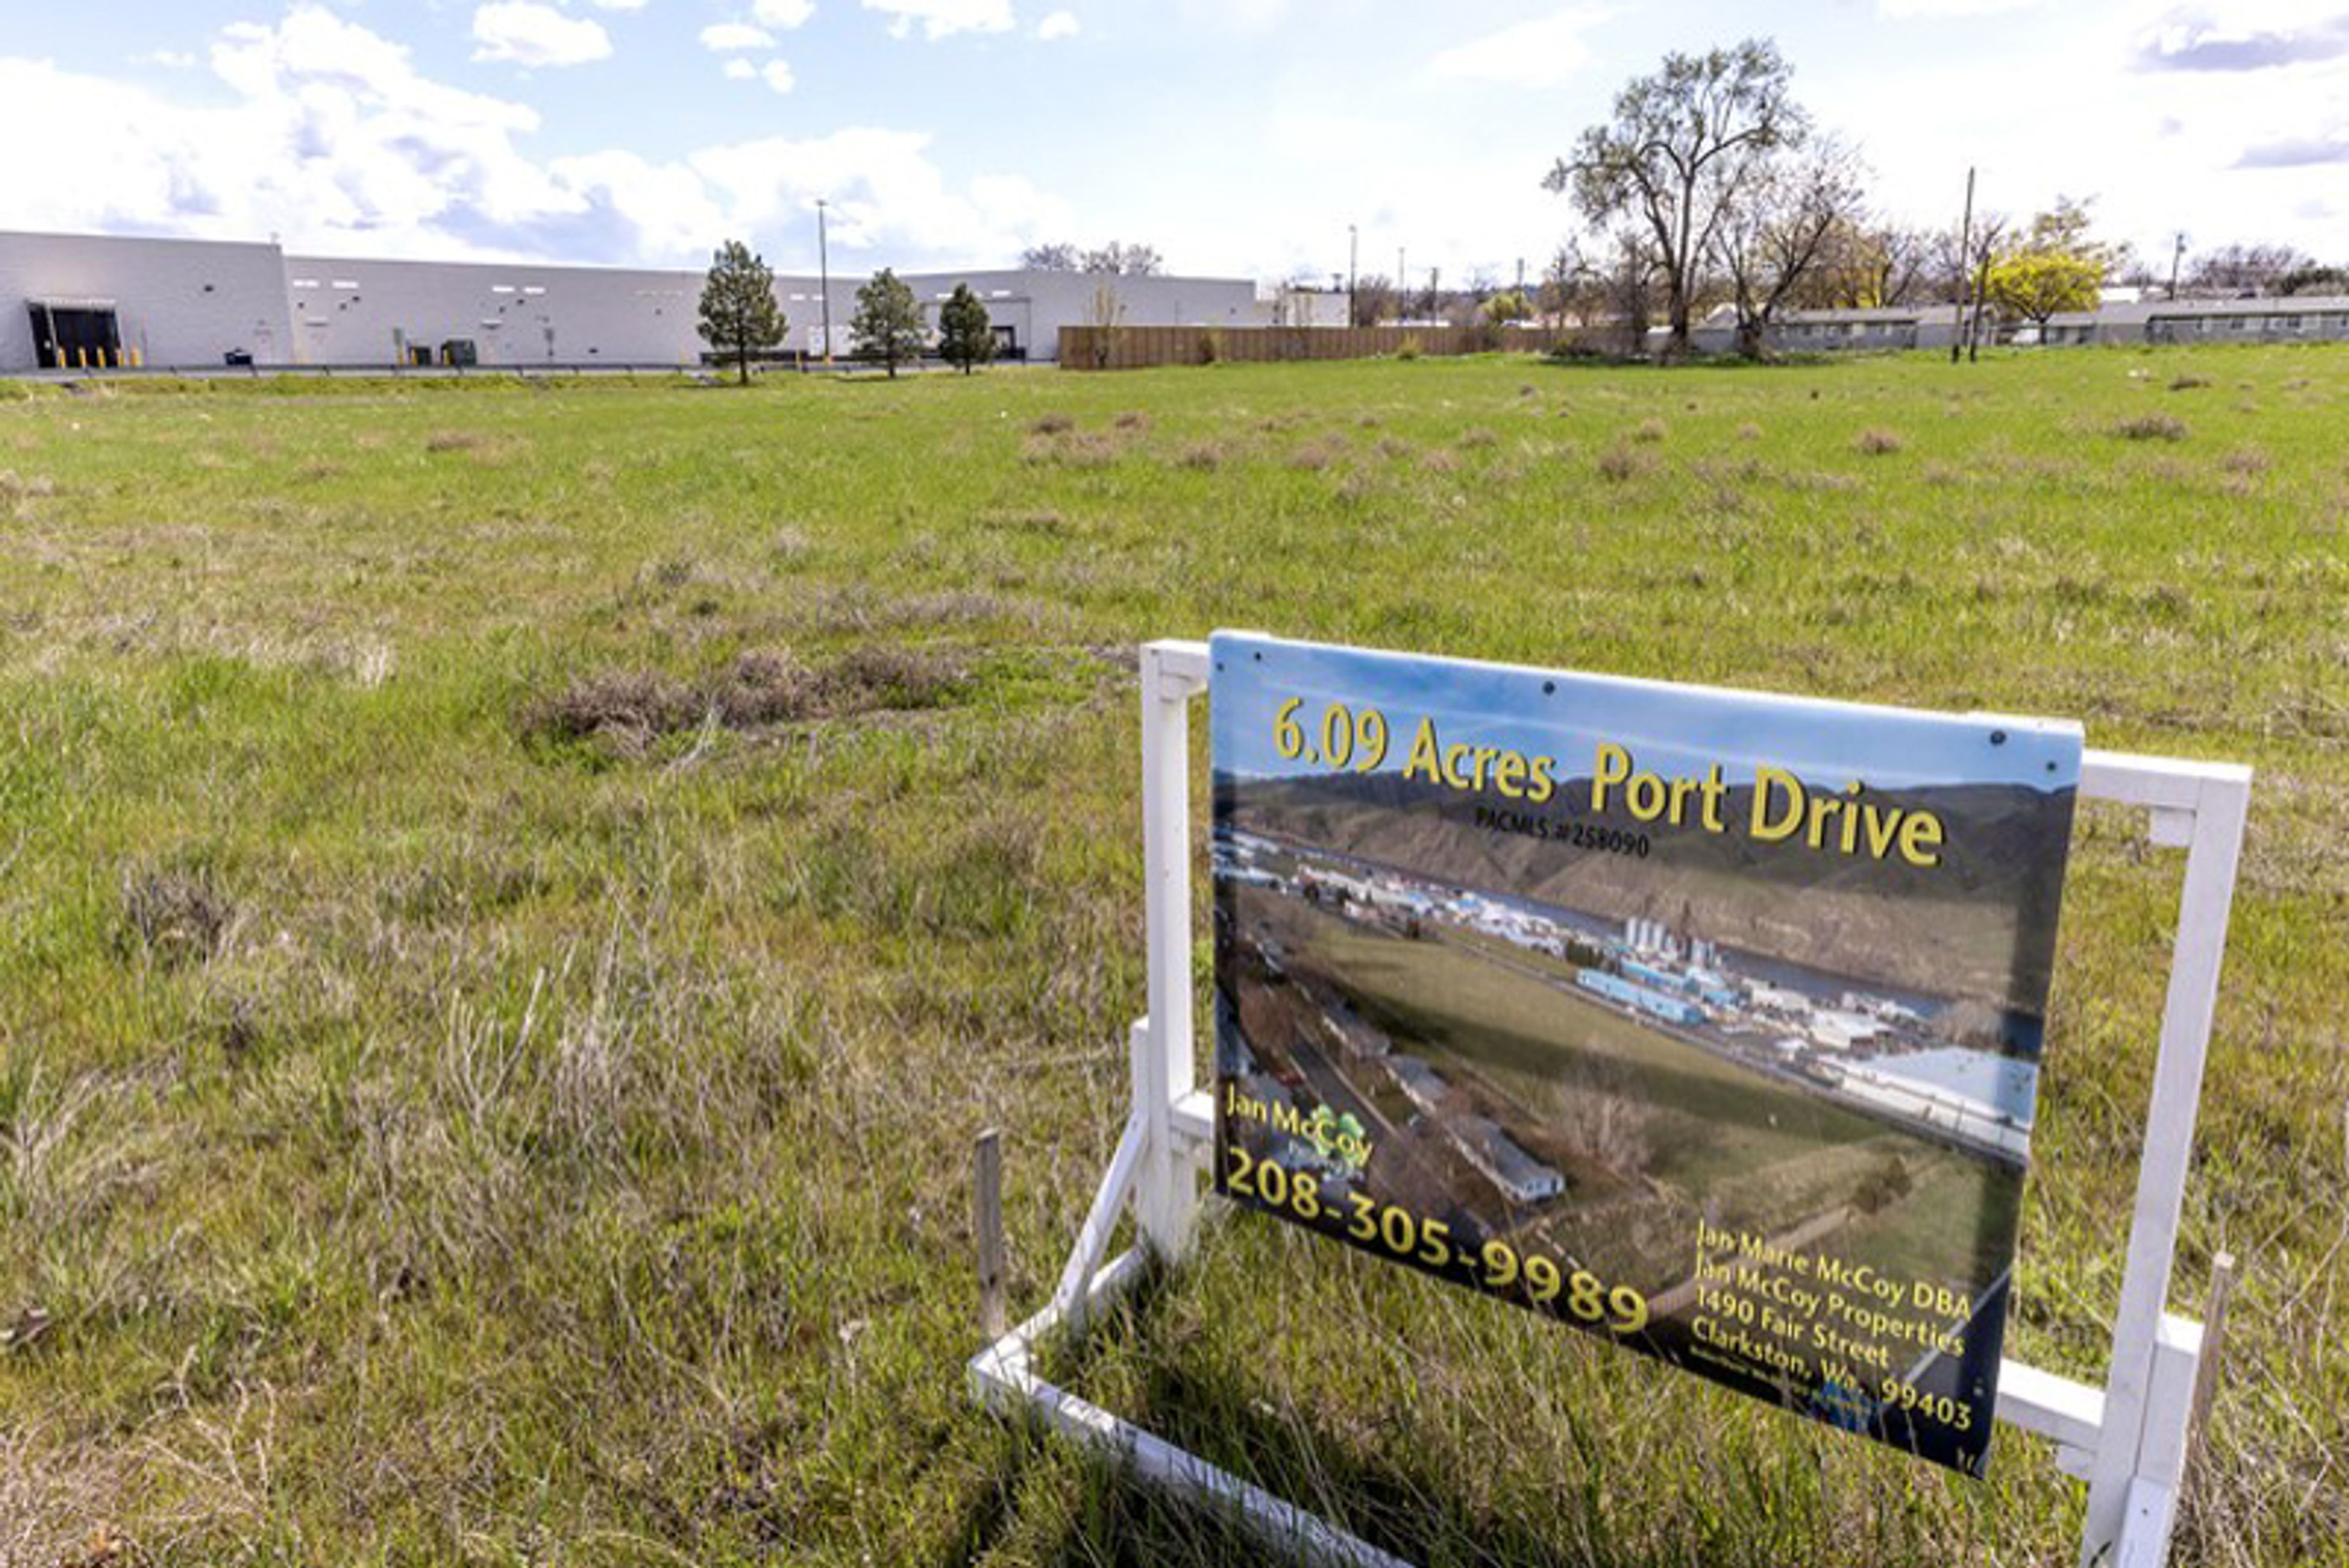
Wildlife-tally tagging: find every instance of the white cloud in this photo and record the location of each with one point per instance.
(777, 74)
(739, 69)
(724, 36)
(327, 133)
(618, 4)
(1907, 10)
(1059, 25)
(530, 33)
(943, 18)
(1540, 53)
(170, 59)
(784, 14)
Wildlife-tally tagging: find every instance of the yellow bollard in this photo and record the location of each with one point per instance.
(81, 358)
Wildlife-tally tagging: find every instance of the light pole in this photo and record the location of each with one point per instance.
(2177, 255)
(1351, 250)
(824, 276)
(1401, 308)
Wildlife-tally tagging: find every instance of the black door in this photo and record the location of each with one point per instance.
(70, 338)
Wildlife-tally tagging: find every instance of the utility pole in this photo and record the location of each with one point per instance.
(1352, 242)
(1965, 272)
(823, 273)
(1403, 287)
(2177, 255)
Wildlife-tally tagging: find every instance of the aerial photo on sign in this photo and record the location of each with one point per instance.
(1704, 1020)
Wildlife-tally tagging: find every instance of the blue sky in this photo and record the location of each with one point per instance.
(1240, 137)
(1677, 731)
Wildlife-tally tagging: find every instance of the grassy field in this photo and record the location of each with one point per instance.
(514, 901)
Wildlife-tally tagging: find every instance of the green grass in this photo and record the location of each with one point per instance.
(514, 903)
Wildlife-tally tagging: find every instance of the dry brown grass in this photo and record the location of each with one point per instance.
(1052, 424)
(1876, 441)
(1649, 431)
(177, 917)
(762, 688)
(1623, 462)
(1202, 456)
(2246, 461)
(18, 495)
(2151, 427)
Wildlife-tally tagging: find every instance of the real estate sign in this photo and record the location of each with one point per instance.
(1706, 1021)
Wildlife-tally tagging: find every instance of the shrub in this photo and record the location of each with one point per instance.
(1410, 348)
(1621, 462)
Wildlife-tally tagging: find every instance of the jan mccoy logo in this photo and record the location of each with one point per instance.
(1338, 1138)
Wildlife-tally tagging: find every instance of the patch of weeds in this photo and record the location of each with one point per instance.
(1877, 443)
(1749, 431)
(627, 709)
(638, 702)
(1648, 432)
(455, 441)
(1620, 463)
(1133, 420)
(177, 917)
(1312, 457)
(1477, 436)
(1440, 460)
(1083, 448)
(2245, 461)
(2151, 427)
(1042, 520)
(1052, 424)
(1204, 456)
(17, 495)
(2189, 383)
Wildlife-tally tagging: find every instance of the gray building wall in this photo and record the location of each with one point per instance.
(177, 302)
(185, 302)
(350, 312)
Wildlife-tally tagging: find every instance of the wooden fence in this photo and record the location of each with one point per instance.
(1137, 348)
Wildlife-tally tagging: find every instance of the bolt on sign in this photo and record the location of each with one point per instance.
(1705, 1022)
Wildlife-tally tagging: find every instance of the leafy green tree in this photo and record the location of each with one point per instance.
(966, 337)
(1509, 304)
(887, 325)
(2036, 283)
(739, 312)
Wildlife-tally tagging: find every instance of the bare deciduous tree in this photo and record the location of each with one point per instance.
(1682, 155)
(1768, 243)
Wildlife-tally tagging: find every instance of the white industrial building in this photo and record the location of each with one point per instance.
(76, 301)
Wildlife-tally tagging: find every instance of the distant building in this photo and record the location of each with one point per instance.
(78, 301)
(1640, 998)
(1422, 1085)
(1521, 1178)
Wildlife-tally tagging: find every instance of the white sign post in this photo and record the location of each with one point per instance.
(2127, 1438)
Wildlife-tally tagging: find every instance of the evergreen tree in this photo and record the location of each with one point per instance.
(965, 337)
(887, 325)
(739, 312)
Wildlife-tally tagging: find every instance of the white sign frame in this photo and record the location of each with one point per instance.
(2128, 1439)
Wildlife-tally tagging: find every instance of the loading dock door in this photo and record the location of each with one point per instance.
(75, 334)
